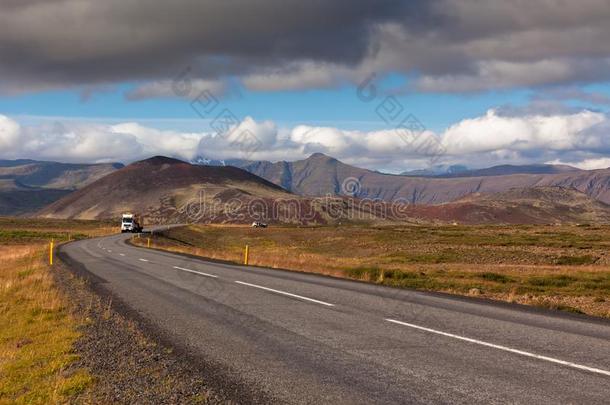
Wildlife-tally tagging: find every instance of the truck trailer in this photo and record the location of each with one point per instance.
(131, 223)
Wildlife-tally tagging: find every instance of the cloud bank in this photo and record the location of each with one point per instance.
(450, 45)
(577, 137)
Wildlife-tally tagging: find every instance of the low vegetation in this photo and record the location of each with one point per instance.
(560, 267)
(37, 328)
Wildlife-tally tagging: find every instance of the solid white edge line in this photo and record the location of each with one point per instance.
(196, 272)
(143, 260)
(286, 293)
(505, 348)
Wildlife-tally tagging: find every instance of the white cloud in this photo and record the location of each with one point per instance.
(494, 132)
(578, 138)
(152, 141)
(9, 134)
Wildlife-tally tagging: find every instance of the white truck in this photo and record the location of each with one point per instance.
(131, 223)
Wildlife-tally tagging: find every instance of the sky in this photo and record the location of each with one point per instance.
(389, 85)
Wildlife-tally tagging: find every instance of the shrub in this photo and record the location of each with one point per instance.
(498, 278)
(552, 281)
(576, 260)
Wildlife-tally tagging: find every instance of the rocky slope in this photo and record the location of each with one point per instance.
(538, 205)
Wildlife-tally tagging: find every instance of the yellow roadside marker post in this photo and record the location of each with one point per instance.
(149, 242)
(246, 253)
(51, 252)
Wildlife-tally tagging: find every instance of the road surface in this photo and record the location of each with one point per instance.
(280, 336)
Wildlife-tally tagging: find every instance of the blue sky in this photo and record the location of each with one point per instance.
(339, 107)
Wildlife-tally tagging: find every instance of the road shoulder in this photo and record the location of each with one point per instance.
(128, 362)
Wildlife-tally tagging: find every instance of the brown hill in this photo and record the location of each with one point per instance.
(168, 190)
(161, 189)
(538, 205)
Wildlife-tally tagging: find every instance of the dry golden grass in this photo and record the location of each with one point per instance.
(29, 230)
(37, 329)
(37, 332)
(564, 268)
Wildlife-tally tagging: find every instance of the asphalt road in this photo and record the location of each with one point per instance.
(277, 336)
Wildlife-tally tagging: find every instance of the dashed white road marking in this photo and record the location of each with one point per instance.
(122, 254)
(287, 294)
(109, 251)
(505, 348)
(143, 260)
(195, 272)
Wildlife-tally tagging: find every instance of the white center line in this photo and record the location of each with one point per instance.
(286, 293)
(143, 260)
(196, 272)
(505, 348)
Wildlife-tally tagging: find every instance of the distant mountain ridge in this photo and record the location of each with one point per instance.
(28, 185)
(505, 170)
(321, 175)
(438, 170)
(54, 175)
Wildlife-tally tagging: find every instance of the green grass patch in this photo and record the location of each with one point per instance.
(576, 260)
(561, 280)
(495, 277)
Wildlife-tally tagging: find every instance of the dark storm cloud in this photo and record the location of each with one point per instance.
(86, 41)
(454, 45)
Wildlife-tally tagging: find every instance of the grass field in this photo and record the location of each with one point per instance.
(37, 329)
(559, 267)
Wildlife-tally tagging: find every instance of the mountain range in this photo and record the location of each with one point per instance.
(321, 175)
(28, 185)
(169, 189)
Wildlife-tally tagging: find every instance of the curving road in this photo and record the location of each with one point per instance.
(277, 336)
